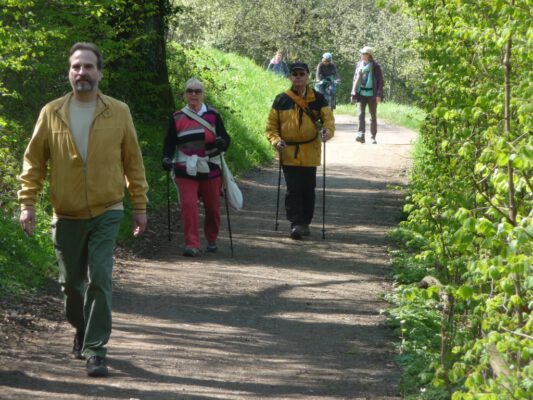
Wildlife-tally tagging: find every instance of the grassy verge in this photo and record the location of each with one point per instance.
(393, 113)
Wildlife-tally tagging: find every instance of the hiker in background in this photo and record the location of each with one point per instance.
(89, 141)
(278, 65)
(191, 152)
(367, 89)
(300, 119)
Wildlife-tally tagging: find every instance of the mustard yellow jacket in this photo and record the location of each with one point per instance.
(288, 122)
(84, 189)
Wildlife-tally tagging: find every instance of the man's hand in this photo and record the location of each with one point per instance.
(281, 145)
(378, 99)
(139, 224)
(27, 220)
(324, 135)
(353, 99)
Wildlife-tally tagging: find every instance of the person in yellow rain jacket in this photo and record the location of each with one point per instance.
(300, 119)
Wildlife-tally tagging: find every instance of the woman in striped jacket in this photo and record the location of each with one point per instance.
(195, 138)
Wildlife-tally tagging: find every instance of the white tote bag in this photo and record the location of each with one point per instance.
(232, 191)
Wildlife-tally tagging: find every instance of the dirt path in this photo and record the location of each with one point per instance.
(280, 320)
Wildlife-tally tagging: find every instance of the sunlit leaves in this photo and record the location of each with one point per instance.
(472, 194)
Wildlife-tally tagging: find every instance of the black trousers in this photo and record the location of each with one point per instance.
(300, 195)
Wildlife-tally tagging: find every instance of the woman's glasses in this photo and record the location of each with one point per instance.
(298, 73)
(195, 91)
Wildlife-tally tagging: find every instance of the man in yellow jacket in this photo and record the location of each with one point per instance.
(300, 119)
(90, 144)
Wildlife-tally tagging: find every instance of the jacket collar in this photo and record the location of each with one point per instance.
(102, 106)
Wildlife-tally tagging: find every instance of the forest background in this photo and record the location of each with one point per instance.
(462, 308)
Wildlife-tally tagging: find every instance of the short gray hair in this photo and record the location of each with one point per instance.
(193, 82)
(91, 47)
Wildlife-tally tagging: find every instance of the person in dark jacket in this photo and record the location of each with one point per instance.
(192, 152)
(367, 89)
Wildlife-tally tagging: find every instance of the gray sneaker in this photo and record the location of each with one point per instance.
(374, 141)
(360, 137)
(305, 230)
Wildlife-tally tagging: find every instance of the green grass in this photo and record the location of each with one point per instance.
(25, 262)
(396, 114)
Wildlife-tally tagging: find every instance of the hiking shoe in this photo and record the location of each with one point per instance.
(96, 367)
(360, 137)
(191, 252)
(305, 230)
(78, 345)
(374, 141)
(211, 247)
(296, 233)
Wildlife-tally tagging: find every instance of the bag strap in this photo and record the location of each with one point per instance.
(199, 119)
(301, 103)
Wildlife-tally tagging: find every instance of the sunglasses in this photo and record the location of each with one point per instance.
(195, 91)
(298, 73)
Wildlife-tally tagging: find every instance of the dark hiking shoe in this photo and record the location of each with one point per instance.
(96, 367)
(78, 345)
(191, 252)
(296, 233)
(211, 247)
(305, 230)
(360, 137)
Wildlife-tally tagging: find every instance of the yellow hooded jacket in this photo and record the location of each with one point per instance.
(84, 189)
(288, 122)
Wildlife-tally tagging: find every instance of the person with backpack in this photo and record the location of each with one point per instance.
(299, 121)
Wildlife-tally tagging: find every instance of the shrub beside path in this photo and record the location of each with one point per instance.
(283, 319)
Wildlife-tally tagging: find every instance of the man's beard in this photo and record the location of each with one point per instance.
(84, 86)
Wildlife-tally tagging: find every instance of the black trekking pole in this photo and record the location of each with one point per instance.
(168, 205)
(277, 201)
(324, 195)
(227, 207)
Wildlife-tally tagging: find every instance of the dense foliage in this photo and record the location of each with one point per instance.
(465, 295)
(304, 30)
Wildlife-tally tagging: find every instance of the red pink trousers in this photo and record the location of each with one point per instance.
(190, 190)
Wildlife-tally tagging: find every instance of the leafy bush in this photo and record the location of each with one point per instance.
(470, 202)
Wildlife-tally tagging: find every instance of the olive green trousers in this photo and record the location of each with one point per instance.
(84, 250)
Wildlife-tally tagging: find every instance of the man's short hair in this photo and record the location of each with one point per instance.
(91, 47)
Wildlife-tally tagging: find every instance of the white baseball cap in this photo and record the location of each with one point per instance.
(367, 50)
